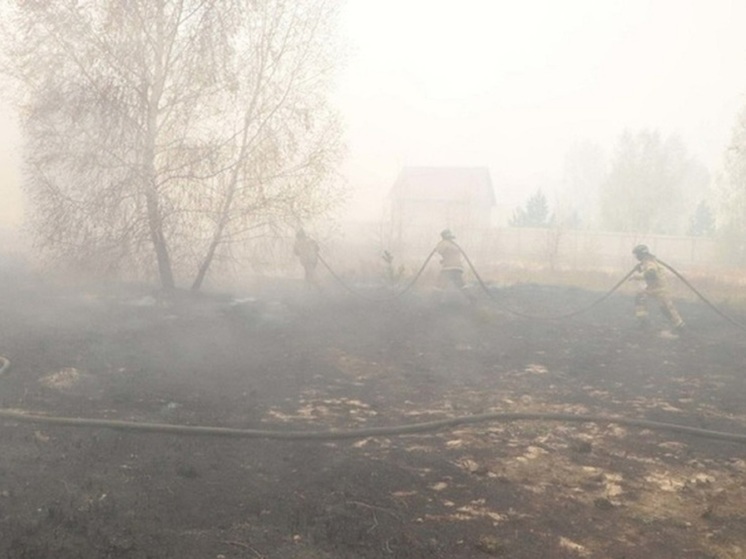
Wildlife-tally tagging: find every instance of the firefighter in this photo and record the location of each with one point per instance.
(650, 271)
(307, 251)
(452, 270)
(393, 275)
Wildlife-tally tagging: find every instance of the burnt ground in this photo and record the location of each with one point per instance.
(519, 490)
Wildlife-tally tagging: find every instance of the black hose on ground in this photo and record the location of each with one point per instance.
(396, 295)
(702, 297)
(329, 435)
(602, 298)
(482, 285)
(542, 317)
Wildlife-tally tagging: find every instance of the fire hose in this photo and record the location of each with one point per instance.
(354, 291)
(23, 416)
(416, 277)
(542, 317)
(603, 297)
(333, 434)
(437, 425)
(514, 312)
(702, 297)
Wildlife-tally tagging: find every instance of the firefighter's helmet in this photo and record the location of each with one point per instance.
(641, 251)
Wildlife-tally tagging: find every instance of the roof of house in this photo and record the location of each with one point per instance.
(444, 183)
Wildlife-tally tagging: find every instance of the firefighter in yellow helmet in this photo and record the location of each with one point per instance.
(452, 270)
(650, 271)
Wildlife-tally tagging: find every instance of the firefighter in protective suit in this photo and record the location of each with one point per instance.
(307, 251)
(451, 271)
(650, 271)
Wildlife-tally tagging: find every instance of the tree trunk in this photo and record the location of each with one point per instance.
(155, 217)
(205, 265)
(159, 241)
(217, 237)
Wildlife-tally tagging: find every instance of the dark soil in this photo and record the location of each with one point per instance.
(287, 360)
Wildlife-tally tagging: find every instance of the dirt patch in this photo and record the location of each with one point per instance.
(282, 361)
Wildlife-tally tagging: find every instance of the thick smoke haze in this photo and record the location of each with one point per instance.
(515, 85)
(512, 86)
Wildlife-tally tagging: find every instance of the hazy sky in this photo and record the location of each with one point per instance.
(512, 84)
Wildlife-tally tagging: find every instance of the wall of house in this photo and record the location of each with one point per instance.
(418, 220)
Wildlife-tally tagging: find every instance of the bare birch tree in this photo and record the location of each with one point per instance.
(159, 133)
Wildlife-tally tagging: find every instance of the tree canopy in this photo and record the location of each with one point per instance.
(159, 134)
(702, 221)
(650, 184)
(535, 214)
(583, 174)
